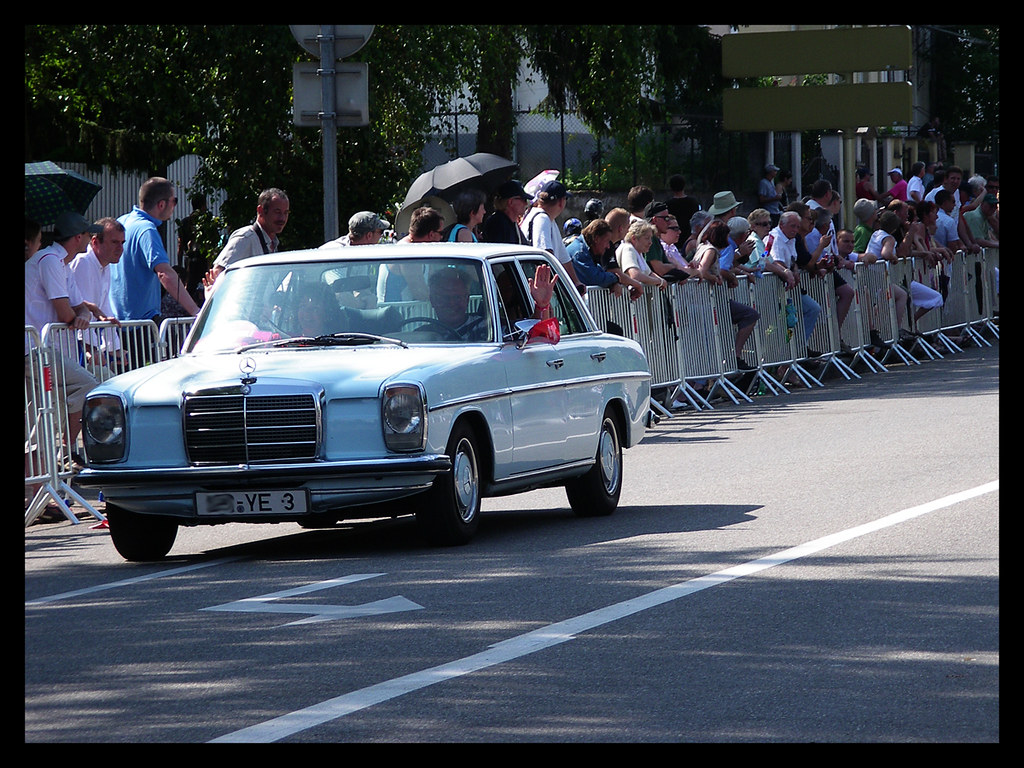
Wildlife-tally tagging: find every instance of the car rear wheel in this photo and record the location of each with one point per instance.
(450, 513)
(140, 538)
(596, 493)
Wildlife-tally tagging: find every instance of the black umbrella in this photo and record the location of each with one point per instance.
(51, 190)
(482, 170)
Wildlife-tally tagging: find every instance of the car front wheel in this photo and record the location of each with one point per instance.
(451, 508)
(596, 493)
(140, 538)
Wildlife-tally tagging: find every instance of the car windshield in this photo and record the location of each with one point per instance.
(346, 302)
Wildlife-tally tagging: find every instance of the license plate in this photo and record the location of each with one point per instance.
(295, 502)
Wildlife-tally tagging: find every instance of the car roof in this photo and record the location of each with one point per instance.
(392, 252)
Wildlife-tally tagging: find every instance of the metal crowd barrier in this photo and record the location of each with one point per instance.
(826, 336)
(651, 321)
(785, 337)
(992, 289)
(968, 282)
(907, 272)
(698, 320)
(101, 351)
(173, 334)
(855, 332)
(708, 338)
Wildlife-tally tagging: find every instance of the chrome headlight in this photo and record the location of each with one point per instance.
(404, 417)
(103, 428)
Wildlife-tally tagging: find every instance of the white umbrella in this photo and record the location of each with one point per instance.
(533, 186)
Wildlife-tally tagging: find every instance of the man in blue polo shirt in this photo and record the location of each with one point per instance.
(135, 281)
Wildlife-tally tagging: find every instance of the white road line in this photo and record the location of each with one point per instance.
(125, 582)
(559, 632)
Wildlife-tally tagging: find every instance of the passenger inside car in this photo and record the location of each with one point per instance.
(513, 305)
(314, 311)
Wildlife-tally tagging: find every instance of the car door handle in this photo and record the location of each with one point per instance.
(598, 356)
(556, 363)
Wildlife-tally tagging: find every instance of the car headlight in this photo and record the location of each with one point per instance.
(404, 417)
(103, 428)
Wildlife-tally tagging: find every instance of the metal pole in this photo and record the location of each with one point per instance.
(329, 126)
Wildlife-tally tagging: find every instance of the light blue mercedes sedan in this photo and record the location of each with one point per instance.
(364, 382)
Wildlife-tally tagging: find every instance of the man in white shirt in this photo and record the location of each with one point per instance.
(541, 230)
(92, 277)
(51, 296)
(954, 176)
(946, 227)
(781, 253)
(272, 211)
(364, 228)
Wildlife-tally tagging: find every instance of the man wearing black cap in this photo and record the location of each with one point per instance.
(64, 303)
(502, 226)
(72, 233)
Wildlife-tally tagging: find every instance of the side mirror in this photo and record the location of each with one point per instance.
(538, 332)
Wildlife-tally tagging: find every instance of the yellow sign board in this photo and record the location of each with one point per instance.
(817, 51)
(817, 107)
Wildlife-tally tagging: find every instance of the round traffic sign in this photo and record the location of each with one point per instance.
(348, 38)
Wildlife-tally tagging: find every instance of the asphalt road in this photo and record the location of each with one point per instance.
(815, 567)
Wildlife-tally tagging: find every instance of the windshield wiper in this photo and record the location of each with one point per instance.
(326, 340)
(355, 337)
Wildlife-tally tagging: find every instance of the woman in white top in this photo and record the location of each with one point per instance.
(630, 254)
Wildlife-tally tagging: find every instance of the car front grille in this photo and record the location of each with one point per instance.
(236, 429)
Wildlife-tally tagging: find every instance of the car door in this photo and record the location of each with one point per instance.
(551, 401)
(533, 376)
(580, 368)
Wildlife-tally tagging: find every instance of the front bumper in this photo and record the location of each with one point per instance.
(332, 485)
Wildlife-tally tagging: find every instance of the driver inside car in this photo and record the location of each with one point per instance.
(449, 297)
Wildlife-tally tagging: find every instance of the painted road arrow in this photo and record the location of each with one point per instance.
(267, 603)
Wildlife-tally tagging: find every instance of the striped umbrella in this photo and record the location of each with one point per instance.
(51, 190)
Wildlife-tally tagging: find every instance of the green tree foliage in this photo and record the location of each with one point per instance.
(138, 97)
(965, 77)
(622, 78)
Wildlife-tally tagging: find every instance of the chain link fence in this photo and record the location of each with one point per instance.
(694, 146)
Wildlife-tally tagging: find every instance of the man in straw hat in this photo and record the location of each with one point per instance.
(724, 206)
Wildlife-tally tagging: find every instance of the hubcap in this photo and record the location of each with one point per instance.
(608, 456)
(464, 477)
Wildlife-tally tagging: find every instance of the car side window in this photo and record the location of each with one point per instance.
(562, 305)
(512, 303)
